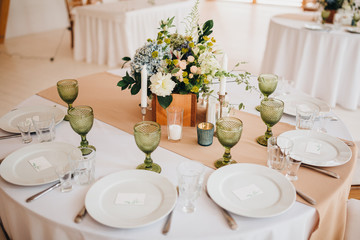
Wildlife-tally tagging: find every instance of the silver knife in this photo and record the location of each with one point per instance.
(306, 197)
(320, 170)
(167, 225)
(81, 214)
(10, 136)
(36, 196)
(229, 219)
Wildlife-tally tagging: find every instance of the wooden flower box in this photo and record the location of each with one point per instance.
(187, 101)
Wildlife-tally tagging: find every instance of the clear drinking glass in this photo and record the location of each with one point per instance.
(44, 124)
(190, 177)
(305, 116)
(84, 166)
(25, 130)
(278, 149)
(292, 167)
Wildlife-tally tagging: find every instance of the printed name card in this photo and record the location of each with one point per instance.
(247, 192)
(39, 163)
(313, 147)
(131, 199)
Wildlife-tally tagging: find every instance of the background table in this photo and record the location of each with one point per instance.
(324, 64)
(105, 33)
(51, 217)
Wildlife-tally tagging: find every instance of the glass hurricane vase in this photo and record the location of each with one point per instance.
(147, 137)
(68, 91)
(271, 111)
(228, 131)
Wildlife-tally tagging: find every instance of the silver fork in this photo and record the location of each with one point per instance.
(167, 225)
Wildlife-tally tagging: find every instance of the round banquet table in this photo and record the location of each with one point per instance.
(51, 216)
(324, 64)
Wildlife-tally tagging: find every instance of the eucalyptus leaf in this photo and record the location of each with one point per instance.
(126, 59)
(175, 70)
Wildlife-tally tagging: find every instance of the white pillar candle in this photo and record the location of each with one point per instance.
(144, 87)
(175, 132)
(222, 90)
(225, 62)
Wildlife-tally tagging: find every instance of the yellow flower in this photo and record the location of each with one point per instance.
(176, 62)
(167, 41)
(149, 40)
(155, 54)
(206, 81)
(159, 41)
(191, 44)
(184, 50)
(210, 44)
(186, 81)
(195, 89)
(206, 38)
(168, 61)
(213, 39)
(189, 38)
(184, 74)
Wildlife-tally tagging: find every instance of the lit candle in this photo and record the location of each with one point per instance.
(144, 87)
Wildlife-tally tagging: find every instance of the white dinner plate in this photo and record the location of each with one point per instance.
(251, 190)
(318, 149)
(353, 29)
(291, 100)
(317, 27)
(8, 121)
(17, 169)
(130, 199)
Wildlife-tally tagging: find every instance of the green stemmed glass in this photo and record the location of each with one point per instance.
(267, 85)
(81, 119)
(271, 111)
(228, 131)
(147, 137)
(68, 91)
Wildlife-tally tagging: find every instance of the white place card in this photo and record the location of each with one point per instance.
(132, 199)
(247, 192)
(39, 163)
(313, 147)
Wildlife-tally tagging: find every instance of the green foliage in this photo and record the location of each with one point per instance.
(165, 101)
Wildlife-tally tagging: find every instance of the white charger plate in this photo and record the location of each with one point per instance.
(291, 100)
(333, 152)
(17, 169)
(277, 193)
(353, 29)
(160, 199)
(8, 121)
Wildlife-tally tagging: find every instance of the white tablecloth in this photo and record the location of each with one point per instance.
(105, 33)
(51, 216)
(324, 64)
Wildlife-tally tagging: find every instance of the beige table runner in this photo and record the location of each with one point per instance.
(120, 109)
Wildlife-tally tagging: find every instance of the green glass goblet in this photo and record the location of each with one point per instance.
(68, 91)
(147, 137)
(267, 85)
(271, 112)
(81, 120)
(228, 131)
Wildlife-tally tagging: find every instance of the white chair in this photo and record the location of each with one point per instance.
(352, 231)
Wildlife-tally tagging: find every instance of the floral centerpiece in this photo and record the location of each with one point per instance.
(178, 63)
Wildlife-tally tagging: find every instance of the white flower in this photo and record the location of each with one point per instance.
(191, 58)
(161, 85)
(182, 64)
(208, 63)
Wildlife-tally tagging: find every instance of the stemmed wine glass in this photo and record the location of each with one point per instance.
(271, 112)
(267, 85)
(228, 131)
(147, 137)
(68, 91)
(81, 119)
